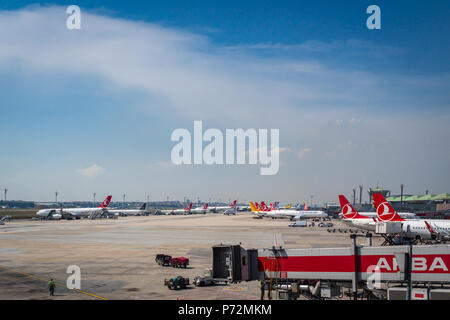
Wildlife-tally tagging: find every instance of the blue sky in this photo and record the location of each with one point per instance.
(353, 105)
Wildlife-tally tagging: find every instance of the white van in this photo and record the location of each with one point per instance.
(301, 223)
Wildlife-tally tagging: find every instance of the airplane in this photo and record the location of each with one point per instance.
(215, 209)
(353, 218)
(242, 208)
(371, 214)
(178, 211)
(57, 214)
(286, 213)
(5, 218)
(201, 210)
(129, 212)
(287, 207)
(418, 229)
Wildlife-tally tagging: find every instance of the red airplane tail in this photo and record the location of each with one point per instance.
(233, 204)
(264, 206)
(384, 209)
(105, 202)
(205, 206)
(348, 212)
(305, 207)
(272, 207)
(189, 206)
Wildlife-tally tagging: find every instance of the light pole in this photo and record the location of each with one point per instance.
(6, 190)
(360, 194)
(401, 195)
(94, 197)
(56, 196)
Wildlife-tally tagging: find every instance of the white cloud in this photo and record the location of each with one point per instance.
(92, 171)
(191, 77)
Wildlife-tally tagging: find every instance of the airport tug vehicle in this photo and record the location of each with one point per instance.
(205, 280)
(163, 259)
(166, 260)
(176, 283)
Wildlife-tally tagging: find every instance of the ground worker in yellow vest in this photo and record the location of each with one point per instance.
(51, 287)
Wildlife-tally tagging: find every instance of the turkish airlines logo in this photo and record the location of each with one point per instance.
(348, 212)
(385, 212)
(106, 202)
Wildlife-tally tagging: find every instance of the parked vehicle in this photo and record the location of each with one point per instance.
(205, 280)
(176, 262)
(301, 223)
(176, 283)
(163, 259)
(180, 262)
(325, 224)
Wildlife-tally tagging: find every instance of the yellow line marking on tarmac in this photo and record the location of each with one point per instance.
(45, 280)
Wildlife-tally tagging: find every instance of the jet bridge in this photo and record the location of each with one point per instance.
(355, 267)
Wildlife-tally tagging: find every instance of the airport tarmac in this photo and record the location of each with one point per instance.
(117, 256)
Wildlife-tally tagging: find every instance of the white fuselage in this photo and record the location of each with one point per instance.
(50, 214)
(199, 210)
(76, 212)
(414, 228)
(404, 215)
(362, 223)
(410, 228)
(220, 208)
(293, 214)
(127, 212)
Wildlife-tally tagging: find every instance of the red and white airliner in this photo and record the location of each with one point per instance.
(74, 212)
(263, 210)
(201, 210)
(178, 211)
(423, 229)
(354, 218)
(223, 208)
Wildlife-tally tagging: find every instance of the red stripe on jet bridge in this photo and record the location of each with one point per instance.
(307, 264)
(345, 263)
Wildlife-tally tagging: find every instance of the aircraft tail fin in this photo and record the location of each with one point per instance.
(105, 202)
(384, 209)
(348, 212)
